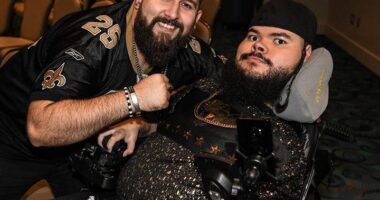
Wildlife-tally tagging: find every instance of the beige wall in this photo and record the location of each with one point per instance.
(355, 26)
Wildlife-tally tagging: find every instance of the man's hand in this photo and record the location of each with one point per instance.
(128, 131)
(153, 92)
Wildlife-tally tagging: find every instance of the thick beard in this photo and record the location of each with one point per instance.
(157, 51)
(253, 90)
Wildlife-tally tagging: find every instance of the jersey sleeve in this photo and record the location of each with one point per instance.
(64, 78)
(74, 60)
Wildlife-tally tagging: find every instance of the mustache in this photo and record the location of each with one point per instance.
(172, 22)
(245, 56)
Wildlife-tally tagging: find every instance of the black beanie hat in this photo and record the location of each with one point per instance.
(288, 15)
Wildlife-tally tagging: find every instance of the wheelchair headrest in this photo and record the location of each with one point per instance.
(309, 92)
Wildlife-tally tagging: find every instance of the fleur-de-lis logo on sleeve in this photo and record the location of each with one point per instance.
(53, 78)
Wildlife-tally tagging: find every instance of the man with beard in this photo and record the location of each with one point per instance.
(201, 119)
(89, 71)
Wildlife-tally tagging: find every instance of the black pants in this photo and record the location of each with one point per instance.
(17, 176)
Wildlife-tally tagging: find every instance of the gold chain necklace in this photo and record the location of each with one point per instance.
(140, 74)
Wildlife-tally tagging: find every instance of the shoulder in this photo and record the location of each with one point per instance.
(199, 48)
(99, 19)
(115, 11)
(91, 33)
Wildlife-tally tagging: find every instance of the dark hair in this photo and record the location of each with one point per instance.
(288, 15)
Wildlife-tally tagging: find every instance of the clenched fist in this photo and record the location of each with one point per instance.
(153, 92)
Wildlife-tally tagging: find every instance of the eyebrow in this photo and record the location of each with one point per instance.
(281, 34)
(195, 2)
(253, 30)
(275, 34)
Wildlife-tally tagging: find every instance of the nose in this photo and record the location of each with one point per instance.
(172, 11)
(259, 46)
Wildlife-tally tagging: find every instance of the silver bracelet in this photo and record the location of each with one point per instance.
(129, 104)
(135, 102)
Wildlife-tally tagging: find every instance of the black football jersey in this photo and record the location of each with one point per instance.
(83, 56)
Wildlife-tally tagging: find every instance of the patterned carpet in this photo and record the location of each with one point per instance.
(354, 93)
(354, 103)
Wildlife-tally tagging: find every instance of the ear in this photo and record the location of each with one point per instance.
(199, 15)
(138, 3)
(308, 50)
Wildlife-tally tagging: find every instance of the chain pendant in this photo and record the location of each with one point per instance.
(140, 75)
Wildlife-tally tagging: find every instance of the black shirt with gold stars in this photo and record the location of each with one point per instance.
(200, 121)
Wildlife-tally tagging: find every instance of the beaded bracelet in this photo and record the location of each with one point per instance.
(129, 104)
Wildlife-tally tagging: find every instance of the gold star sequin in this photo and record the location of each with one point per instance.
(210, 116)
(199, 141)
(232, 158)
(223, 59)
(187, 135)
(214, 149)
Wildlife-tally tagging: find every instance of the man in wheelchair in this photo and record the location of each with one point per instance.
(253, 136)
